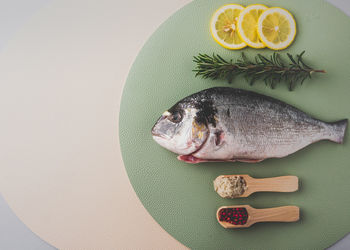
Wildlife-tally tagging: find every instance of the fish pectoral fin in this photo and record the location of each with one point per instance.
(250, 160)
(219, 137)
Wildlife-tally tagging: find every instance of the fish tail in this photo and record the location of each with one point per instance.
(338, 130)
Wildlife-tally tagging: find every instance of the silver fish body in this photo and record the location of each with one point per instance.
(227, 124)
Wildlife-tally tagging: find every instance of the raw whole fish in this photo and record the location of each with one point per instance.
(227, 124)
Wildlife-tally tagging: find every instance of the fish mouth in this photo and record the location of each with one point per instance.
(161, 136)
(153, 131)
(157, 134)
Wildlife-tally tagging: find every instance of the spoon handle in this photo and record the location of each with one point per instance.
(281, 214)
(274, 184)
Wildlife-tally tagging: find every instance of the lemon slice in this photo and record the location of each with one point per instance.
(223, 26)
(248, 25)
(276, 28)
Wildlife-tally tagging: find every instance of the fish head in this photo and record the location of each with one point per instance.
(179, 131)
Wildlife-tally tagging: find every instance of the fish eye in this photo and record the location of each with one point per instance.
(176, 117)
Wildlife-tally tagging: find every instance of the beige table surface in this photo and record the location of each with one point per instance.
(61, 170)
(60, 165)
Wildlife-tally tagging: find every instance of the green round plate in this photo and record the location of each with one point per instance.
(180, 196)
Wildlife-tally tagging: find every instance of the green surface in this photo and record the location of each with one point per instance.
(180, 196)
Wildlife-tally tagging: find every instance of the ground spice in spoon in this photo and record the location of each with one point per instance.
(230, 186)
(235, 216)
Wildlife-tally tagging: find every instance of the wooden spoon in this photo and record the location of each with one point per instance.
(274, 184)
(276, 214)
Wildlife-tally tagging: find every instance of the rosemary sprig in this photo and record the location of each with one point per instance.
(272, 70)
